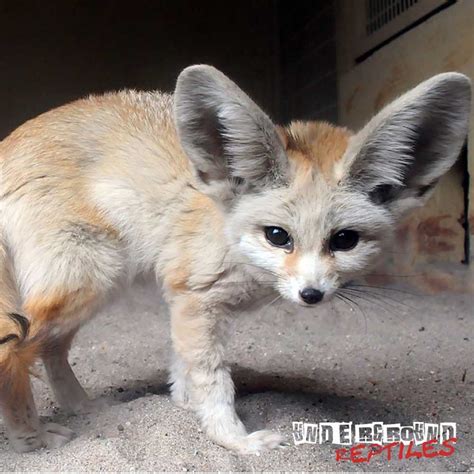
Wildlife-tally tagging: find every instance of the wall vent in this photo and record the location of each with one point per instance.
(381, 21)
(380, 12)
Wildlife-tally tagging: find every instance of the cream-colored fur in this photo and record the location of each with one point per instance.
(182, 187)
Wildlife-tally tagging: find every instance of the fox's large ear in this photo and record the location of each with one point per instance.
(228, 138)
(398, 157)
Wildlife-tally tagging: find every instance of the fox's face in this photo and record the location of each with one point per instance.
(314, 233)
(311, 206)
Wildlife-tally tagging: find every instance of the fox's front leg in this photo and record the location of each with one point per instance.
(201, 380)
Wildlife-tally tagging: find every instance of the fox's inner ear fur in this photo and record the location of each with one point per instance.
(402, 152)
(227, 137)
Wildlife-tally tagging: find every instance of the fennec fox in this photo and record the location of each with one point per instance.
(202, 190)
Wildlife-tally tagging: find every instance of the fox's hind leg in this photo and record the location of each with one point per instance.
(47, 332)
(16, 400)
(17, 353)
(53, 318)
(64, 313)
(24, 429)
(68, 391)
(64, 269)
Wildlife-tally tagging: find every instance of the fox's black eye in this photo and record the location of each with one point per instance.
(278, 237)
(344, 240)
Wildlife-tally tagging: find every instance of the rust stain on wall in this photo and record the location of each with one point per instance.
(403, 234)
(433, 237)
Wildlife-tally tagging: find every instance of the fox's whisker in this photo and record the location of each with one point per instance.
(350, 301)
(271, 302)
(387, 298)
(383, 288)
(370, 299)
(381, 300)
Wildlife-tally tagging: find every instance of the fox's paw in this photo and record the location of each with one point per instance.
(180, 396)
(26, 443)
(55, 436)
(259, 441)
(50, 436)
(181, 401)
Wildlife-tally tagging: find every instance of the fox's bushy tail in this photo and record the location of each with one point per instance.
(17, 351)
(14, 326)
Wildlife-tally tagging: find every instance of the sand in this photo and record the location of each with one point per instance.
(410, 363)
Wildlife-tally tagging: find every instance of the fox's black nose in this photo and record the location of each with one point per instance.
(311, 295)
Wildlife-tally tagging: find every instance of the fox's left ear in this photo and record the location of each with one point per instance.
(398, 157)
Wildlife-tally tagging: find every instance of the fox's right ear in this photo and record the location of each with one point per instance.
(230, 141)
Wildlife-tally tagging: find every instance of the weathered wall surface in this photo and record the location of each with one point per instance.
(55, 51)
(444, 42)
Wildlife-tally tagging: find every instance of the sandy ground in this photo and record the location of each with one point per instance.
(410, 363)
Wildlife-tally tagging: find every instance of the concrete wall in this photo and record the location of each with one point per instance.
(54, 51)
(444, 42)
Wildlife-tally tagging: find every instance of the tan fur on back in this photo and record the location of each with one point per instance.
(318, 145)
